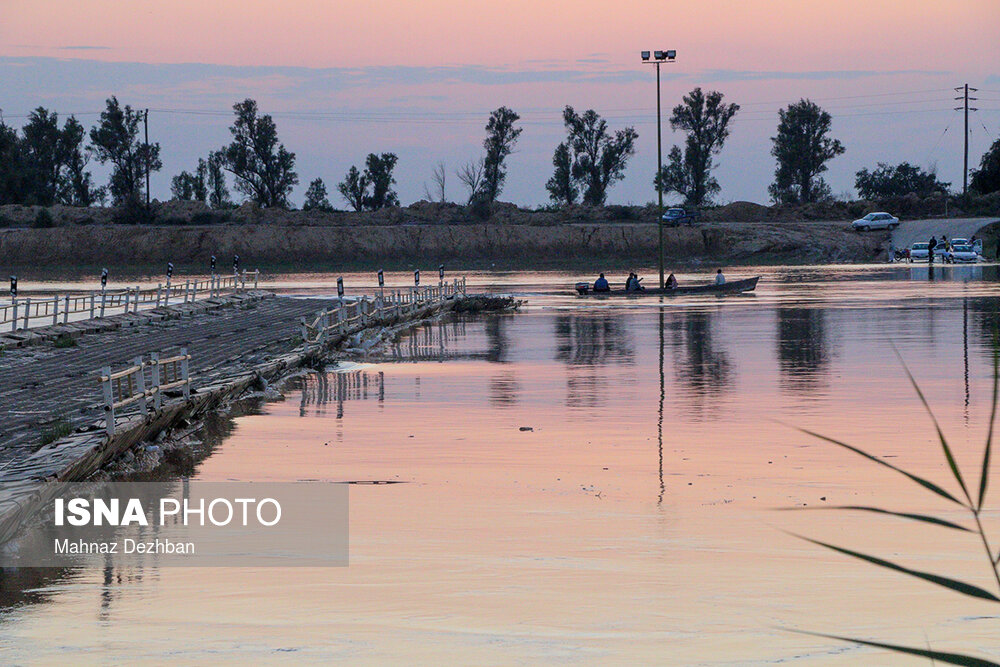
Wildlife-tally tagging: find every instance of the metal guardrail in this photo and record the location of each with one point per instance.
(363, 312)
(131, 385)
(21, 313)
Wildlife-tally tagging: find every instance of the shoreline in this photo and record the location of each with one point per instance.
(135, 249)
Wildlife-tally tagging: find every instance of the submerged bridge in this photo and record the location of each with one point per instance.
(76, 394)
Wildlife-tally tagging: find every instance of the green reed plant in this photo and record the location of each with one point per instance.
(972, 500)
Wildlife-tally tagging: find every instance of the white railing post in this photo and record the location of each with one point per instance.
(13, 321)
(256, 276)
(109, 401)
(66, 310)
(27, 311)
(91, 305)
(103, 298)
(138, 297)
(154, 362)
(159, 291)
(140, 384)
(128, 294)
(55, 310)
(185, 373)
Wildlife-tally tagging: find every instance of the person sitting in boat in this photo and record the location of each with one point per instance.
(632, 283)
(601, 284)
(671, 282)
(719, 278)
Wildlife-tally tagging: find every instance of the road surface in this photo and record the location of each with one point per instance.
(912, 231)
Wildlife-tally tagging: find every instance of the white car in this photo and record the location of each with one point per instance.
(918, 251)
(875, 221)
(977, 245)
(964, 253)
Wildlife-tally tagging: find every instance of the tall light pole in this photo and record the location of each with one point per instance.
(659, 57)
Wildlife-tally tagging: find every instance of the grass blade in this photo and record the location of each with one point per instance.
(948, 658)
(947, 582)
(984, 478)
(937, 427)
(919, 480)
(926, 518)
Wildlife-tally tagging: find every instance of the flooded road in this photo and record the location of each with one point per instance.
(594, 481)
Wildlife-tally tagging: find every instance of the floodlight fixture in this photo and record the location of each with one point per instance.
(659, 55)
(671, 54)
(645, 55)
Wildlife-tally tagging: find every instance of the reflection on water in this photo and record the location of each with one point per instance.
(701, 362)
(804, 350)
(585, 343)
(574, 466)
(318, 390)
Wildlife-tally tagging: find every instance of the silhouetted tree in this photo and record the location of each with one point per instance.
(12, 168)
(218, 193)
(896, 181)
(43, 154)
(263, 168)
(562, 189)
(116, 139)
(440, 178)
(986, 179)
(354, 188)
(501, 135)
(378, 172)
(76, 187)
(316, 198)
(802, 149)
(706, 119)
(191, 187)
(599, 158)
(372, 188)
(471, 176)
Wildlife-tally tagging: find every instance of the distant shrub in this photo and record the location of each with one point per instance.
(618, 212)
(479, 208)
(210, 218)
(43, 219)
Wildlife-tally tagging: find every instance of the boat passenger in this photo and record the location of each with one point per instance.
(671, 282)
(601, 284)
(632, 283)
(719, 278)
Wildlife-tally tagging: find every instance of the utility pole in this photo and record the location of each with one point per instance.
(145, 124)
(965, 107)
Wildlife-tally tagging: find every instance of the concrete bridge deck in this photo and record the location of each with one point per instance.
(42, 383)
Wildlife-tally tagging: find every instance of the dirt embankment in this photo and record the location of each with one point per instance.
(272, 246)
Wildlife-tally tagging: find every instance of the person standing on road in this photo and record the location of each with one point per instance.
(930, 250)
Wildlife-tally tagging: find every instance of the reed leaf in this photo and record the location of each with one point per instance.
(946, 582)
(926, 518)
(942, 656)
(919, 480)
(937, 427)
(985, 475)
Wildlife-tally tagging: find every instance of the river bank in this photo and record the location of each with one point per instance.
(470, 246)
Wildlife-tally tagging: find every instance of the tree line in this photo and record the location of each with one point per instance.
(47, 162)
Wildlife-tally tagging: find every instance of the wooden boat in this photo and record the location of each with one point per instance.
(733, 287)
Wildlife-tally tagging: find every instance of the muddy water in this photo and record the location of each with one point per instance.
(594, 482)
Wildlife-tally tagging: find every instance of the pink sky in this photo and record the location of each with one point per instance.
(858, 58)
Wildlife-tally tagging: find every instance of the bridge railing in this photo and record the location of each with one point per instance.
(353, 315)
(143, 384)
(22, 313)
